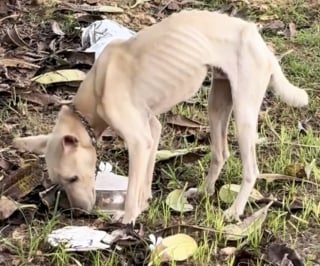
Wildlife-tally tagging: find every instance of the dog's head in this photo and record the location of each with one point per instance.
(70, 158)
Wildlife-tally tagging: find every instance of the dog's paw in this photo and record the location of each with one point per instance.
(117, 216)
(209, 188)
(231, 215)
(130, 217)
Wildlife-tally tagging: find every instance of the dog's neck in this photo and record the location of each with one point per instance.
(85, 124)
(86, 104)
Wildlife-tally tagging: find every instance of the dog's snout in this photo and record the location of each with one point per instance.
(83, 199)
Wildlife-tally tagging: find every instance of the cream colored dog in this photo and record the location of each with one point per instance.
(133, 81)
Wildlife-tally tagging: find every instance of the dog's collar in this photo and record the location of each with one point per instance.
(86, 125)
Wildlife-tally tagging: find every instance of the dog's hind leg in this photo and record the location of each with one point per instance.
(219, 109)
(155, 127)
(247, 99)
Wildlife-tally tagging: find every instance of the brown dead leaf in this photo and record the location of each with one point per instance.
(4, 164)
(14, 36)
(92, 2)
(15, 62)
(182, 121)
(41, 99)
(89, 8)
(56, 28)
(21, 182)
(275, 25)
(7, 207)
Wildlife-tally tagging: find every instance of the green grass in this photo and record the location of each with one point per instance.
(283, 146)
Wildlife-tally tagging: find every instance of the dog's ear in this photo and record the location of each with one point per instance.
(36, 144)
(69, 142)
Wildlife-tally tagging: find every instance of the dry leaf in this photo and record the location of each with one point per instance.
(178, 247)
(229, 192)
(15, 62)
(249, 225)
(273, 177)
(56, 28)
(100, 8)
(296, 170)
(268, 17)
(21, 182)
(163, 155)
(138, 2)
(177, 201)
(65, 75)
(274, 25)
(182, 121)
(8, 207)
(14, 36)
(41, 99)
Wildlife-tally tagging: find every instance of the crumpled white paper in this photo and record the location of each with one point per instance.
(100, 33)
(80, 238)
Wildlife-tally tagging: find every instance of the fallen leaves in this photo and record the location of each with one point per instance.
(182, 121)
(96, 8)
(177, 201)
(138, 2)
(178, 247)
(229, 192)
(21, 182)
(163, 155)
(9, 206)
(248, 226)
(15, 62)
(56, 28)
(14, 36)
(65, 75)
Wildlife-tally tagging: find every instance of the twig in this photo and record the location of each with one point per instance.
(164, 7)
(10, 16)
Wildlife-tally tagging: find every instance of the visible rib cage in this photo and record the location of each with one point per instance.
(173, 61)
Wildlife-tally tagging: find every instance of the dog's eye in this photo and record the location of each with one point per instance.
(73, 179)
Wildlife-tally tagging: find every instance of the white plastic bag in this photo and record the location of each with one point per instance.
(100, 33)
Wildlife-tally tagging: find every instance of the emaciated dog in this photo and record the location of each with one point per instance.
(135, 80)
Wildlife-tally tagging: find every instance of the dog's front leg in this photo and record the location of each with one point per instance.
(155, 127)
(139, 150)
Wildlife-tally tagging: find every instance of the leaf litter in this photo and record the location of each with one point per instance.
(15, 38)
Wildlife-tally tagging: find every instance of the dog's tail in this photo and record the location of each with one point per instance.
(289, 93)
